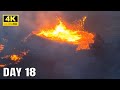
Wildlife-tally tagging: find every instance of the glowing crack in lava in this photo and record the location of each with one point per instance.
(72, 34)
(1, 47)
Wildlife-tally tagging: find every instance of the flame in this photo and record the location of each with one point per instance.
(73, 34)
(1, 47)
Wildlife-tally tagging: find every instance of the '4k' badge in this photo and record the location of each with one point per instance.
(10, 20)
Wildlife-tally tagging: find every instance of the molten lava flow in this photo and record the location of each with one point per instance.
(73, 34)
(15, 58)
(1, 47)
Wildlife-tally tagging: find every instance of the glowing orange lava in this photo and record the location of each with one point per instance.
(15, 58)
(73, 34)
(2, 65)
(1, 47)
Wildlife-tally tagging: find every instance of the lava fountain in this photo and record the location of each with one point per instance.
(62, 32)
